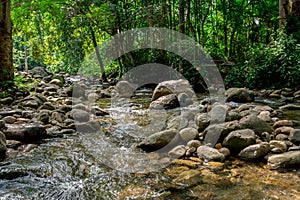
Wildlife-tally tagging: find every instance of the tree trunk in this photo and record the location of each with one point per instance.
(6, 52)
(99, 59)
(283, 11)
(181, 16)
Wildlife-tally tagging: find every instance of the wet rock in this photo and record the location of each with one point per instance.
(88, 127)
(240, 139)
(281, 137)
(278, 146)
(255, 151)
(60, 77)
(13, 144)
(165, 102)
(283, 130)
(80, 115)
(281, 123)
(136, 192)
(76, 91)
(93, 97)
(56, 82)
(31, 104)
(240, 95)
(210, 154)
(265, 116)
(65, 108)
(290, 107)
(43, 117)
(2, 143)
(159, 140)
(47, 106)
(28, 114)
(98, 111)
(51, 89)
(218, 114)
(58, 116)
(38, 72)
(257, 125)
(295, 136)
(194, 143)
(244, 107)
(290, 158)
(190, 151)
(25, 132)
(225, 151)
(188, 134)
(172, 87)
(202, 120)
(7, 100)
(2, 124)
(9, 119)
(124, 89)
(184, 100)
(187, 179)
(177, 152)
(233, 115)
(10, 113)
(213, 132)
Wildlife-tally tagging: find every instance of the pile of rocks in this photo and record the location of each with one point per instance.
(217, 131)
(52, 109)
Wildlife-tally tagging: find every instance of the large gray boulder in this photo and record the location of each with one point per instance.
(38, 72)
(213, 132)
(159, 140)
(239, 139)
(80, 115)
(256, 124)
(165, 102)
(255, 151)
(295, 136)
(172, 87)
(25, 132)
(291, 158)
(240, 95)
(124, 89)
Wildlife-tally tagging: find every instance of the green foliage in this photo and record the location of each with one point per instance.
(58, 34)
(274, 66)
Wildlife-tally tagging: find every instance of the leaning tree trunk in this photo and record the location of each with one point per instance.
(6, 58)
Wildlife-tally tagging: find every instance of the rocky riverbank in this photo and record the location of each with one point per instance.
(206, 142)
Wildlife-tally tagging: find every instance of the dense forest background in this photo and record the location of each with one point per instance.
(255, 43)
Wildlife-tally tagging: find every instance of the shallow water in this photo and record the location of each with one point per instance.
(105, 165)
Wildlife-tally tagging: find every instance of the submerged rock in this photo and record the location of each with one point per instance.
(187, 179)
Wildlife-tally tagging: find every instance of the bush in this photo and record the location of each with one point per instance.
(273, 66)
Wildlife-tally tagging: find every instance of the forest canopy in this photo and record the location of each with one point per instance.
(256, 42)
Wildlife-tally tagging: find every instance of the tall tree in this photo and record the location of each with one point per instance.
(6, 58)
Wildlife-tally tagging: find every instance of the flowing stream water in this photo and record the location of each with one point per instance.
(78, 167)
